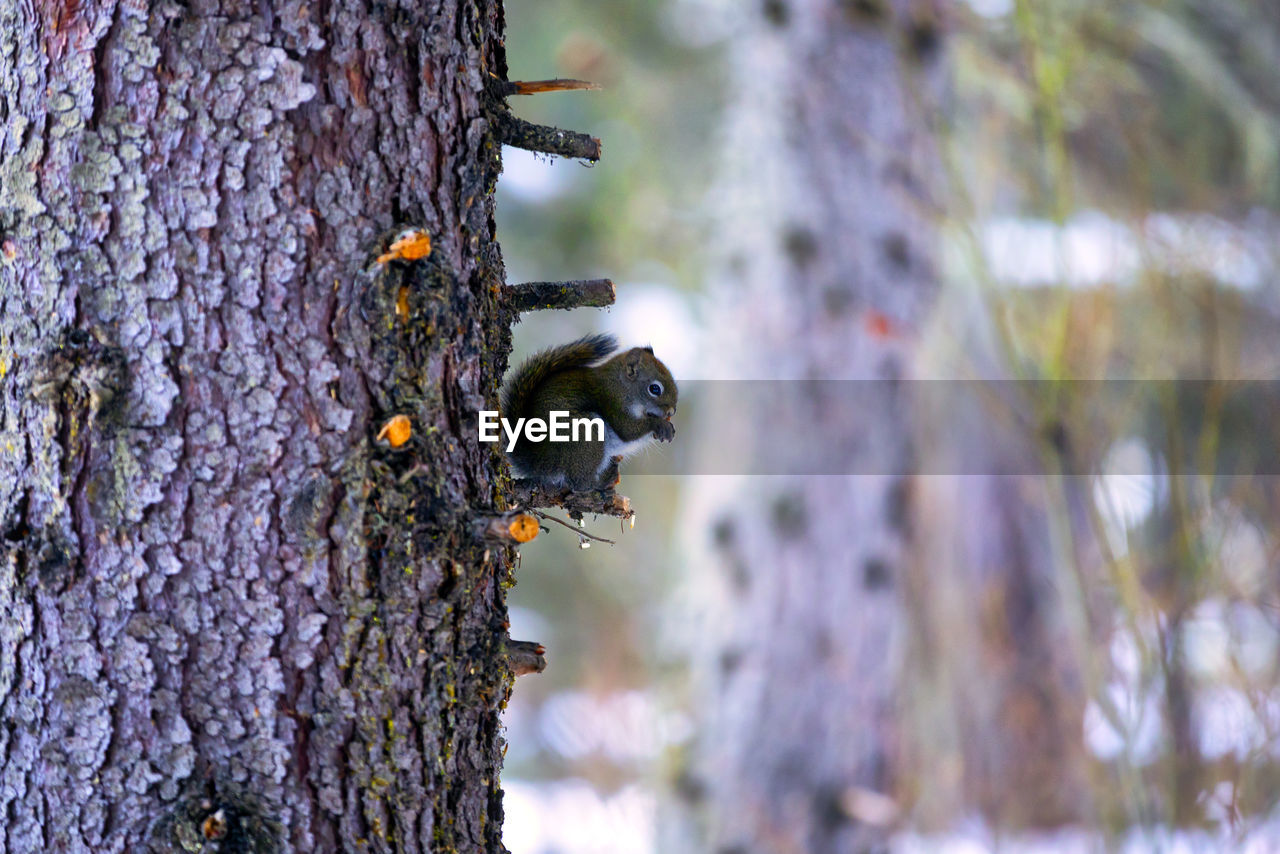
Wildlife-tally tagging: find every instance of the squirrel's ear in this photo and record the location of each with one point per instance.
(648, 350)
(632, 368)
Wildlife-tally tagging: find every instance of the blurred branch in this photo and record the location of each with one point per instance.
(1192, 53)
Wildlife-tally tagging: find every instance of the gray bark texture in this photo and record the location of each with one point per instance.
(830, 275)
(229, 620)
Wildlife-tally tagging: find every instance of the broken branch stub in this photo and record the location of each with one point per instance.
(526, 657)
(603, 502)
(540, 296)
(505, 88)
(510, 130)
(509, 528)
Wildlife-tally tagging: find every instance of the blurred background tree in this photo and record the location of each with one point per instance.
(1106, 220)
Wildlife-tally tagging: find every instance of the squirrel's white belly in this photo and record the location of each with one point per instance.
(614, 446)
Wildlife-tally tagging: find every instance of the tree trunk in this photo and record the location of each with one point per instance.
(228, 617)
(830, 276)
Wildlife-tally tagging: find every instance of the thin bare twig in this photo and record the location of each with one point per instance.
(574, 528)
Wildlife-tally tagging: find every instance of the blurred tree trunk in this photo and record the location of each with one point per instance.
(1001, 613)
(835, 702)
(225, 613)
(831, 271)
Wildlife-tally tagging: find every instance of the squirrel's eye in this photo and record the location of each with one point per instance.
(655, 389)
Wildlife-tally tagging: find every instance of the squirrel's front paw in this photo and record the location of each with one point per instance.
(665, 431)
(612, 475)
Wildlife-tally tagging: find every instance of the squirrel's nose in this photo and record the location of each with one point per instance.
(671, 410)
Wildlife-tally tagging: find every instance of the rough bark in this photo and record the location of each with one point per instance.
(830, 275)
(227, 617)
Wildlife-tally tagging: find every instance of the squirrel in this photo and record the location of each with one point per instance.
(632, 392)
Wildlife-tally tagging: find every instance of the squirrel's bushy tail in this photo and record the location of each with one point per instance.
(533, 372)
